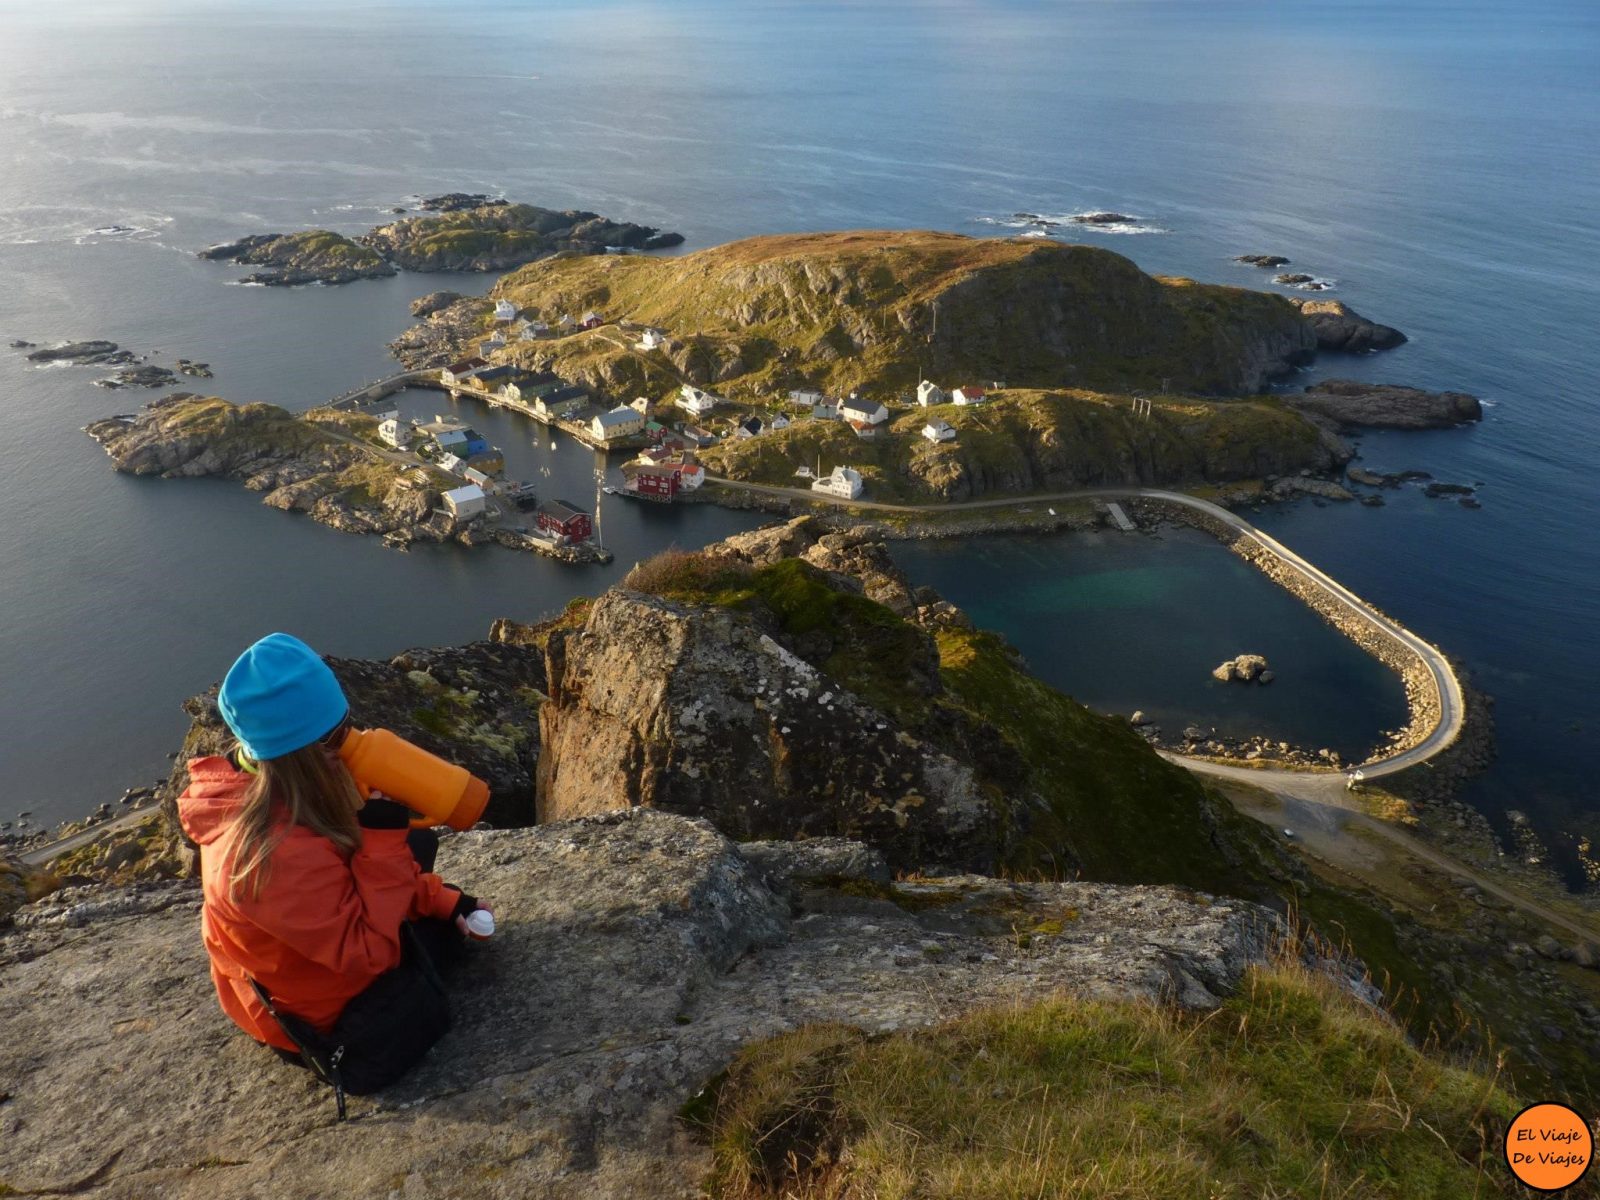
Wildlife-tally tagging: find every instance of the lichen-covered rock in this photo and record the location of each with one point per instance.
(697, 710)
(635, 954)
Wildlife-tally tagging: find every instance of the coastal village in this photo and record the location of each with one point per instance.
(662, 436)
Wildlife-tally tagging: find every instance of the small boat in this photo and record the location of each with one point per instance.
(609, 490)
(552, 445)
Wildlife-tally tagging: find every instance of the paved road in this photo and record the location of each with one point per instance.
(1451, 705)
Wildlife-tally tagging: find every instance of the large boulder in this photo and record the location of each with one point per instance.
(697, 710)
(636, 953)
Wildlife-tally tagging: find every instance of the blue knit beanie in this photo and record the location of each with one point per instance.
(280, 696)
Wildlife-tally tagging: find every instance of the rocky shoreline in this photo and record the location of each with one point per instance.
(1387, 405)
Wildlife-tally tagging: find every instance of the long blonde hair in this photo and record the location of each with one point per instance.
(309, 787)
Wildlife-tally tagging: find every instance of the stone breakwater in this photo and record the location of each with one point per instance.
(1423, 701)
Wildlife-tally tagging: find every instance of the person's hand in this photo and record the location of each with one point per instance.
(380, 812)
(466, 906)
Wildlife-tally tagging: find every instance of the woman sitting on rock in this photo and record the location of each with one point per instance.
(308, 884)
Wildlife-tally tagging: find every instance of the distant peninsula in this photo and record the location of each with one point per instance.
(462, 233)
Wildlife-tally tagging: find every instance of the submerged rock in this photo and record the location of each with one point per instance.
(1265, 261)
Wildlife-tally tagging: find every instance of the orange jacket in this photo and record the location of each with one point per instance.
(324, 925)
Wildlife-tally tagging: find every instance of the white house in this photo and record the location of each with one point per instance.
(566, 323)
(693, 400)
(504, 310)
(700, 437)
(392, 433)
(458, 371)
(778, 421)
(867, 412)
(475, 476)
(939, 431)
(968, 395)
(749, 427)
(691, 477)
(493, 342)
(652, 339)
(803, 473)
(465, 502)
(530, 330)
(452, 464)
(930, 393)
(618, 423)
(845, 482)
(641, 405)
(806, 397)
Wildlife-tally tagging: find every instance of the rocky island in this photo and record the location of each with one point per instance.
(314, 464)
(314, 256)
(465, 233)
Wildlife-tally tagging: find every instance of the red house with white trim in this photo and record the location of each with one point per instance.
(564, 520)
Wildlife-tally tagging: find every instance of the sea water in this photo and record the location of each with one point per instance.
(1437, 160)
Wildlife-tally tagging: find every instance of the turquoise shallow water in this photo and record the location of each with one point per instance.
(1127, 622)
(1439, 160)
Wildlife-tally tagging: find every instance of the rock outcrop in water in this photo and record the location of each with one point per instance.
(636, 952)
(462, 233)
(1340, 328)
(1387, 405)
(295, 259)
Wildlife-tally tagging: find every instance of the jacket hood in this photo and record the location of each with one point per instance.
(212, 799)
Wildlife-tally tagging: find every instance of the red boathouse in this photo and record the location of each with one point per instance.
(565, 520)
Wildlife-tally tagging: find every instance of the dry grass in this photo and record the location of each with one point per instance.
(1292, 1089)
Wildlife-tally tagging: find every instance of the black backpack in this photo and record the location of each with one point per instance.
(382, 1032)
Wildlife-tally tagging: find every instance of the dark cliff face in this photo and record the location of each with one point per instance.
(699, 711)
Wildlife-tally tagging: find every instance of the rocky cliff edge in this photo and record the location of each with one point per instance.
(637, 951)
